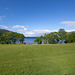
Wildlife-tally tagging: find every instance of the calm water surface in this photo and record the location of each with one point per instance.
(30, 40)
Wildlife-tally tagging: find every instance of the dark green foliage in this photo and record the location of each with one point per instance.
(21, 38)
(3, 31)
(38, 40)
(70, 38)
(51, 38)
(1, 42)
(55, 37)
(62, 33)
(11, 37)
(45, 38)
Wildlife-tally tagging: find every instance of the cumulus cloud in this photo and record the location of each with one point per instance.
(68, 23)
(1, 17)
(41, 31)
(24, 29)
(20, 29)
(18, 26)
(37, 33)
(3, 26)
(30, 33)
(70, 30)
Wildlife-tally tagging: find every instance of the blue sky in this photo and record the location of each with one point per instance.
(37, 17)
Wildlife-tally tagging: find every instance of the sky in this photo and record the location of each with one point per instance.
(36, 17)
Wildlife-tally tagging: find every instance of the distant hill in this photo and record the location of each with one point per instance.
(3, 31)
(10, 37)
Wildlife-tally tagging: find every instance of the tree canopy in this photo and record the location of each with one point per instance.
(38, 40)
(8, 37)
(55, 37)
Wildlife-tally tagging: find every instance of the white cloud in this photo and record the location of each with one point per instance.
(30, 33)
(20, 30)
(24, 29)
(37, 33)
(18, 26)
(1, 17)
(3, 26)
(41, 31)
(70, 30)
(68, 23)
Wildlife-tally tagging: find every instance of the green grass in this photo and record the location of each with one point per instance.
(37, 59)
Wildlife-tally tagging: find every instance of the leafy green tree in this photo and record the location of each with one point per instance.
(38, 40)
(9, 37)
(70, 38)
(62, 33)
(45, 38)
(53, 38)
(21, 38)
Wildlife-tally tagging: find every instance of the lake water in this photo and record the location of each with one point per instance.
(30, 40)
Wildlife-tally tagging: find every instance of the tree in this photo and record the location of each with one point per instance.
(70, 38)
(62, 33)
(53, 38)
(38, 40)
(45, 38)
(11, 37)
(21, 38)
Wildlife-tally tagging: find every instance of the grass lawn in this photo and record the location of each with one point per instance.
(37, 59)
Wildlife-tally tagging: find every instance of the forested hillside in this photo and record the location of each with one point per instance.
(3, 31)
(9, 37)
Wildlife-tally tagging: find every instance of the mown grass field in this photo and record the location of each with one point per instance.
(37, 59)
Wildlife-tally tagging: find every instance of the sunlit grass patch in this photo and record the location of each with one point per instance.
(37, 59)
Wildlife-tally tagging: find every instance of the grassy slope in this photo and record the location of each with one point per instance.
(37, 59)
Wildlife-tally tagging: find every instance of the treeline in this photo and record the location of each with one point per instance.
(56, 37)
(9, 37)
(3, 31)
